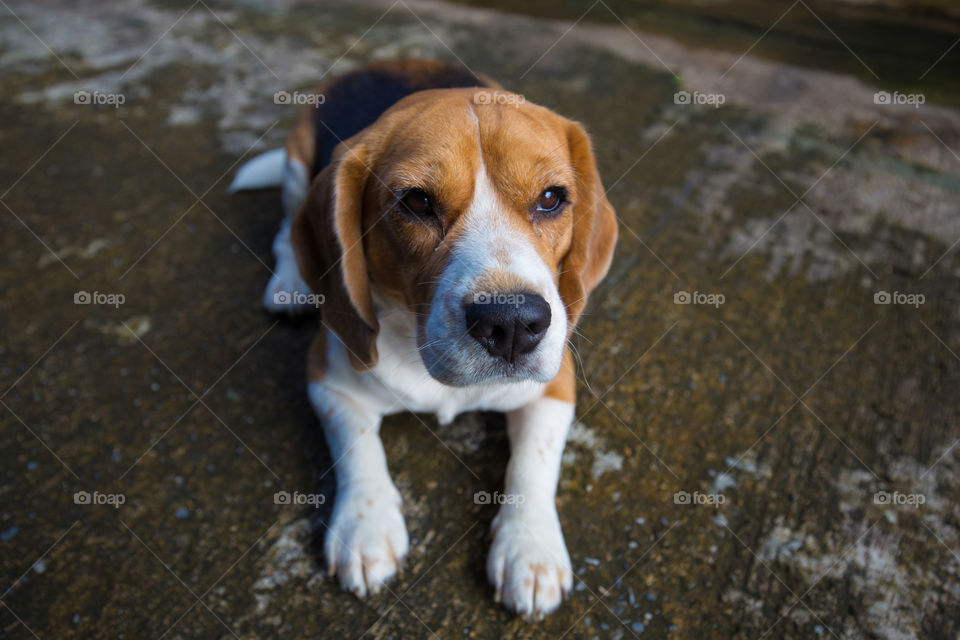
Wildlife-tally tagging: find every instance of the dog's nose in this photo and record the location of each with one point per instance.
(508, 329)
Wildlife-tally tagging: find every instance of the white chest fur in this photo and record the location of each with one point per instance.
(400, 382)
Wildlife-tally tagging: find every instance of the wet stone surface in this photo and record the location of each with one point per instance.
(775, 457)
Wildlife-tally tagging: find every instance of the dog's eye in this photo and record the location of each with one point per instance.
(551, 199)
(417, 202)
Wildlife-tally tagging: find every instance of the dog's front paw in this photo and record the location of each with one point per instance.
(529, 565)
(366, 539)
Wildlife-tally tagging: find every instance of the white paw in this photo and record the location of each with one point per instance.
(529, 565)
(366, 538)
(287, 292)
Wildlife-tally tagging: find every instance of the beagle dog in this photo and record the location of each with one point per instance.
(449, 233)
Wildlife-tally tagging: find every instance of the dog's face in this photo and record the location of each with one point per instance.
(487, 220)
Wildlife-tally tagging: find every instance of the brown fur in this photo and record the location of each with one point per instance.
(564, 386)
(348, 234)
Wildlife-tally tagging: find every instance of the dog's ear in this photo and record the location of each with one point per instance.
(594, 229)
(327, 238)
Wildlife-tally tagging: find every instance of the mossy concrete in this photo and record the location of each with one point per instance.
(795, 401)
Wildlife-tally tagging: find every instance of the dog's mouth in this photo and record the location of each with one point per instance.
(487, 371)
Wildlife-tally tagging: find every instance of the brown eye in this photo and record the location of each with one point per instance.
(417, 202)
(551, 199)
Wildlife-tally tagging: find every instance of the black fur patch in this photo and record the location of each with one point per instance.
(355, 101)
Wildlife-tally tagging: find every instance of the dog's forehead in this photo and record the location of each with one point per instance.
(446, 137)
(525, 151)
(512, 130)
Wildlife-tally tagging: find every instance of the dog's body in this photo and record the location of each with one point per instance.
(454, 234)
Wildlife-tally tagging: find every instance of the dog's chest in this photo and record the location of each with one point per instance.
(400, 369)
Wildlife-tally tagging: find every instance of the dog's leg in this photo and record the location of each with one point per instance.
(366, 537)
(528, 564)
(281, 294)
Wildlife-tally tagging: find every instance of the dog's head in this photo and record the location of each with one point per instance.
(481, 213)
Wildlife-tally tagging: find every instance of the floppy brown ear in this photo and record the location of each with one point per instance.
(594, 229)
(327, 238)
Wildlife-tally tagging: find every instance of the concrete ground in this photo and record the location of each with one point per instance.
(775, 459)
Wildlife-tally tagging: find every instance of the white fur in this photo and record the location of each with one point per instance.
(280, 294)
(451, 354)
(262, 172)
(528, 564)
(401, 382)
(272, 169)
(366, 538)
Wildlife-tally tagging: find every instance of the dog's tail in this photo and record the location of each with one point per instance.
(263, 172)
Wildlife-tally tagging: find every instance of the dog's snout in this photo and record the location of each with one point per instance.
(508, 329)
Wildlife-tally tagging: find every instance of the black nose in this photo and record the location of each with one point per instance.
(509, 327)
